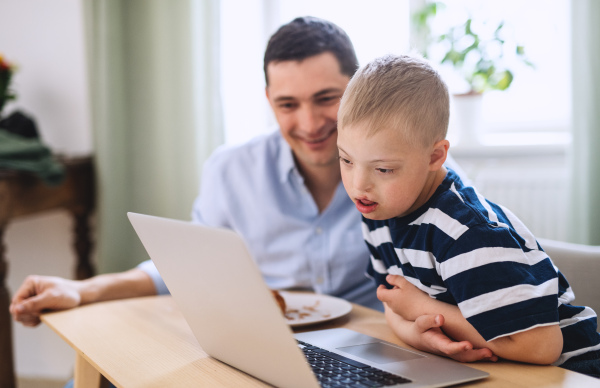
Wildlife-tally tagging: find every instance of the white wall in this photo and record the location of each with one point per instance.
(45, 39)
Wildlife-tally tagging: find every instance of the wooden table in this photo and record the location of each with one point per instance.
(23, 194)
(145, 342)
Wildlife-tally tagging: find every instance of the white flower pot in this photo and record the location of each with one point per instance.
(466, 118)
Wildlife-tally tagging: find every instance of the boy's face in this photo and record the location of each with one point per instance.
(385, 176)
(305, 97)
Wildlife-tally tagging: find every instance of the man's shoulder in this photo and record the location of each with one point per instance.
(260, 149)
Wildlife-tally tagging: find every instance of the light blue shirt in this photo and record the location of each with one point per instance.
(256, 190)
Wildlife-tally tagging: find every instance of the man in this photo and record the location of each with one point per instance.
(281, 192)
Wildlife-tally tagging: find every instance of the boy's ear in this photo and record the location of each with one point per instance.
(438, 155)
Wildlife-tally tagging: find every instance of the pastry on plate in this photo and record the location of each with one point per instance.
(280, 301)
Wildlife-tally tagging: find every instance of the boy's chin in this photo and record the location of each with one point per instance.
(375, 217)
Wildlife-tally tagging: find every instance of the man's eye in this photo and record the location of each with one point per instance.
(329, 99)
(286, 106)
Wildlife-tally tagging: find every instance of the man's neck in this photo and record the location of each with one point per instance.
(322, 182)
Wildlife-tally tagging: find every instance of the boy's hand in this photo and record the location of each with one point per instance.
(426, 334)
(404, 299)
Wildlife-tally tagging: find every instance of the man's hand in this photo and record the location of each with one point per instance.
(425, 334)
(404, 299)
(40, 293)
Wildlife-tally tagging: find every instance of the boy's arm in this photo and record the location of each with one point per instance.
(425, 334)
(539, 345)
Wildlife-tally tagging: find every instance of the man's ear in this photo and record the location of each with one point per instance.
(438, 155)
(268, 97)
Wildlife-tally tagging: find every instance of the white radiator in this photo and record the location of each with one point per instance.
(539, 200)
(537, 195)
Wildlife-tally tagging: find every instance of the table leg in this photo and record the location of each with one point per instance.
(86, 376)
(7, 373)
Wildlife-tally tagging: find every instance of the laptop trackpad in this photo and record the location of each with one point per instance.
(380, 353)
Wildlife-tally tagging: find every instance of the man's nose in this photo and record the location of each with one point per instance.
(310, 120)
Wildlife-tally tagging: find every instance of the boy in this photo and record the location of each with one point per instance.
(464, 263)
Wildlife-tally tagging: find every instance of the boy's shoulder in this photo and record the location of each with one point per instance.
(464, 210)
(459, 201)
(453, 200)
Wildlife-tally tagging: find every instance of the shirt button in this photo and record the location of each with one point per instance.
(318, 230)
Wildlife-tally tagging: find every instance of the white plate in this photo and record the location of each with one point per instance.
(307, 309)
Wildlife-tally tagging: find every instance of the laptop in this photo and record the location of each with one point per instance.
(232, 313)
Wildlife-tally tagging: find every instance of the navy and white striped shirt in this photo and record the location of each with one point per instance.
(467, 251)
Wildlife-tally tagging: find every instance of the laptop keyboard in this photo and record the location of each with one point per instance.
(335, 370)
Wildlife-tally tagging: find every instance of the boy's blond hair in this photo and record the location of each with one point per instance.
(399, 92)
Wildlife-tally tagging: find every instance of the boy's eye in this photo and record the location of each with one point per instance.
(344, 160)
(386, 170)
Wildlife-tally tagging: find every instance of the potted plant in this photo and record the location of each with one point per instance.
(481, 52)
(6, 71)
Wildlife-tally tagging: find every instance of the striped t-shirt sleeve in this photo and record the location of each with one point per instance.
(500, 286)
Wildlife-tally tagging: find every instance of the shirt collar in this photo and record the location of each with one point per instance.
(287, 164)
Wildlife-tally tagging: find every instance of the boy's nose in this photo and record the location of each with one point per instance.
(361, 181)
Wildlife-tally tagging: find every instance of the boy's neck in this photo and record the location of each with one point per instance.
(434, 180)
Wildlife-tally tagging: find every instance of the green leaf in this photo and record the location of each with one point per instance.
(500, 26)
(468, 30)
(502, 81)
(453, 56)
(484, 72)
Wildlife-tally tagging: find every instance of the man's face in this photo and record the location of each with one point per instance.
(385, 176)
(305, 97)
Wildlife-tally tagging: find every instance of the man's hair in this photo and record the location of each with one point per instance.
(398, 92)
(308, 36)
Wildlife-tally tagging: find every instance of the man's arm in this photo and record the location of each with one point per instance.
(539, 345)
(38, 294)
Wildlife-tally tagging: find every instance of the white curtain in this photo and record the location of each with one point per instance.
(585, 155)
(156, 114)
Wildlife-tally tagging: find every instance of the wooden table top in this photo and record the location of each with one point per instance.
(145, 342)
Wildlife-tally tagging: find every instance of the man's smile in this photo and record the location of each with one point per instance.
(319, 140)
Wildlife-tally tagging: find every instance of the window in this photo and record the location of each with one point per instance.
(376, 28)
(538, 99)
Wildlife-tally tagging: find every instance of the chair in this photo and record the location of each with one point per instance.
(581, 266)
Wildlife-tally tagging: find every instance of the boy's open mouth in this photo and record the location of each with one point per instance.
(365, 206)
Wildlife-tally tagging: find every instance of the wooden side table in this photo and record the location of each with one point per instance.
(23, 194)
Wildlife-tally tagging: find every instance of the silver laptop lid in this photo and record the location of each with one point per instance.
(206, 269)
